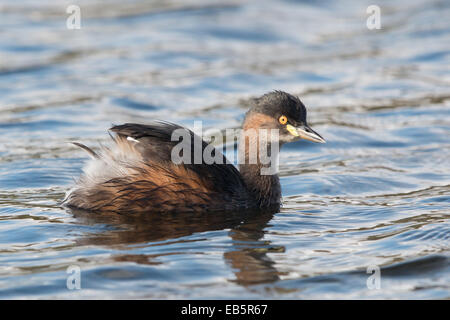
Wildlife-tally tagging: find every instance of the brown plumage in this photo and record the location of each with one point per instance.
(137, 173)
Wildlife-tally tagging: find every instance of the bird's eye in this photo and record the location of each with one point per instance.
(282, 119)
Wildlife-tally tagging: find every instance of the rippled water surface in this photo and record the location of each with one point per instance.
(377, 194)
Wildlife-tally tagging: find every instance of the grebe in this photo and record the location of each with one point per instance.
(137, 174)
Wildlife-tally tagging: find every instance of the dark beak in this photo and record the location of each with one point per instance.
(305, 132)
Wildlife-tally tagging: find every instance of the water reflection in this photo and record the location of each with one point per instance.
(247, 256)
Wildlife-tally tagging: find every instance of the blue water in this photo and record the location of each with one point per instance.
(377, 194)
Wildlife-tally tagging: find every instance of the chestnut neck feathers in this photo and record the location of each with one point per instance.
(261, 180)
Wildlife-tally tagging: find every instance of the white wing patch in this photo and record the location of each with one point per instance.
(113, 162)
(132, 139)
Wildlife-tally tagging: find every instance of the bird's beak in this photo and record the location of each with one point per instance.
(305, 132)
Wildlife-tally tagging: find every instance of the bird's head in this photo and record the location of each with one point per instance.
(282, 111)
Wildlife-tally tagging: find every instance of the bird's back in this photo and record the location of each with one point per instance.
(138, 174)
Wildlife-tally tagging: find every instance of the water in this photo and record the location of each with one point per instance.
(376, 195)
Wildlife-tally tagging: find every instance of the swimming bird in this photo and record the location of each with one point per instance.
(137, 173)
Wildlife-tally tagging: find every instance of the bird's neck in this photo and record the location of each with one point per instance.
(259, 170)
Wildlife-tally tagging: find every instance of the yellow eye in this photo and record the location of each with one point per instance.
(283, 120)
